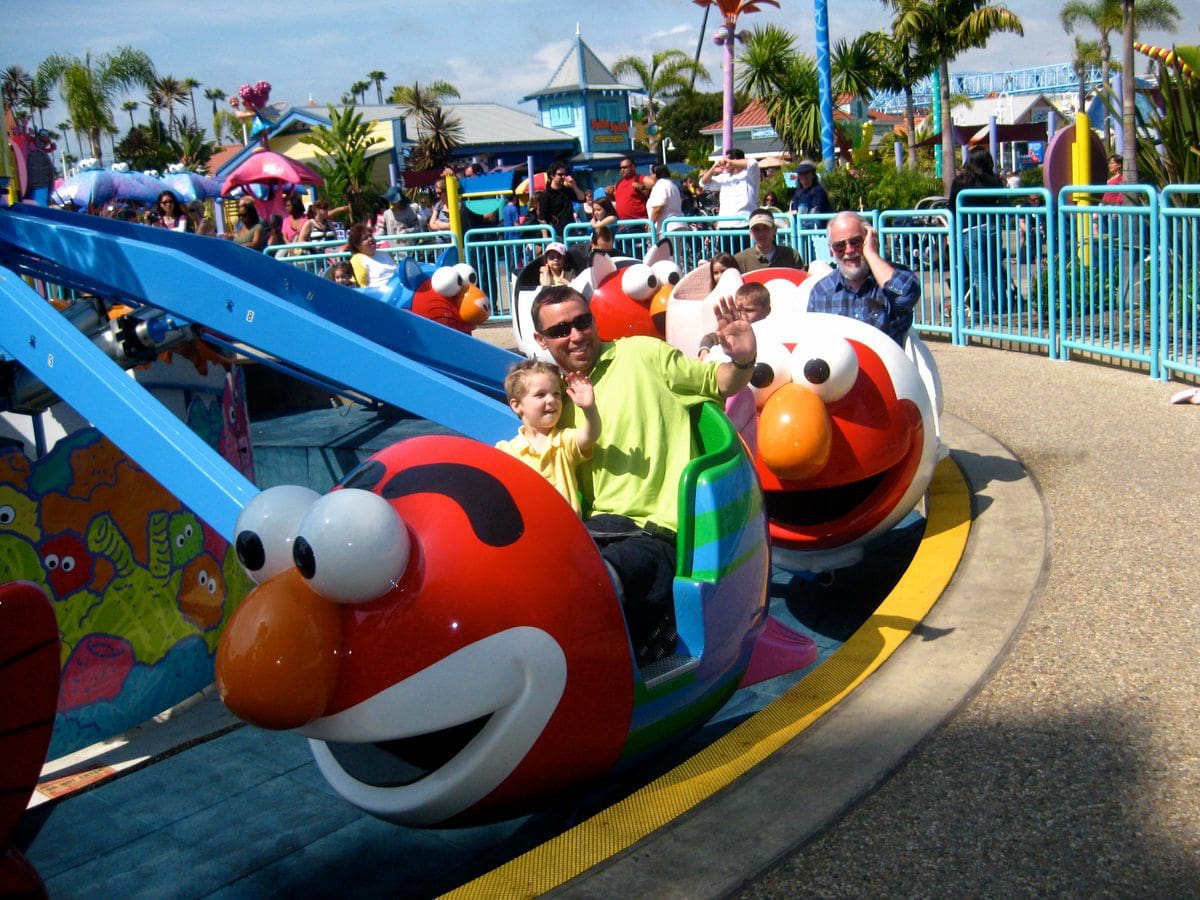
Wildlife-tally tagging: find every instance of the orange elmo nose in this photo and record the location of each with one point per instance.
(794, 433)
(277, 663)
(473, 308)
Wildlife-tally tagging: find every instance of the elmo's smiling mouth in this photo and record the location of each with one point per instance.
(404, 761)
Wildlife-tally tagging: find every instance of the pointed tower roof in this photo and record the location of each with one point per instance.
(580, 70)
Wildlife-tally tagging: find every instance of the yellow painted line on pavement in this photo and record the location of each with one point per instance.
(624, 823)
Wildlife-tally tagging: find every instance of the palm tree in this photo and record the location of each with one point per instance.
(442, 134)
(156, 103)
(902, 64)
(172, 91)
(215, 95)
(946, 28)
(785, 83)
(359, 90)
(666, 73)
(191, 84)
(1085, 54)
(1107, 16)
(65, 128)
(88, 88)
(379, 78)
(129, 106)
(416, 100)
(12, 85)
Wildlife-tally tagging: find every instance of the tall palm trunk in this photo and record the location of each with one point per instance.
(949, 164)
(1129, 173)
(910, 119)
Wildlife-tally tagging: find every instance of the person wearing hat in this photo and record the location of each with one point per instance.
(554, 268)
(809, 196)
(765, 253)
(399, 217)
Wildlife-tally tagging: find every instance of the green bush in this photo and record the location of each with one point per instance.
(877, 185)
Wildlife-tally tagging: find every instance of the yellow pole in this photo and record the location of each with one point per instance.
(1081, 173)
(12, 192)
(452, 200)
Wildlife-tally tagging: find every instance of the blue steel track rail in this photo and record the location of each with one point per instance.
(314, 325)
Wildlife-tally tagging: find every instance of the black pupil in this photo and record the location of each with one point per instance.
(816, 371)
(763, 375)
(303, 556)
(250, 551)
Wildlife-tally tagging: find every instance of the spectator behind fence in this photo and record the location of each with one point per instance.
(986, 265)
(630, 192)
(665, 201)
(864, 285)
(736, 179)
(399, 217)
(556, 204)
(765, 252)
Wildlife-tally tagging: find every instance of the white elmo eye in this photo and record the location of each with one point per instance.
(467, 273)
(352, 546)
(771, 372)
(267, 526)
(826, 365)
(639, 281)
(68, 564)
(447, 281)
(666, 271)
(51, 561)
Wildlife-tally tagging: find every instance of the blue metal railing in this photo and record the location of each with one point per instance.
(1117, 281)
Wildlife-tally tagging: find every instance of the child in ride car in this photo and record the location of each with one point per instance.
(534, 391)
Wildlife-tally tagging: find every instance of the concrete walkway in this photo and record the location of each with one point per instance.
(1075, 769)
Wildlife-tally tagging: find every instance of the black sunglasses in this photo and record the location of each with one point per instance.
(839, 246)
(563, 329)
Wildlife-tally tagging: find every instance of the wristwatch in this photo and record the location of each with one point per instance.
(744, 367)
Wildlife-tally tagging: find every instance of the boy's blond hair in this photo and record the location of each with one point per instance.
(753, 292)
(516, 383)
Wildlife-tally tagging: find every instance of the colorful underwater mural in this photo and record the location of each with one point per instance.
(141, 588)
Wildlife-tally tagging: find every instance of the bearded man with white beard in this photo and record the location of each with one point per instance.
(864, 285)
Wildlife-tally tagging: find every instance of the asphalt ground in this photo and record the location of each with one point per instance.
(1074, 770)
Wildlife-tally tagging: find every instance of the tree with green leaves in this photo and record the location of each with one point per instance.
(379, 78)
(190, 85)
(688, 112)
(171, 91)
(129, 106)
(945, 29)
(1084, 55)
(89, 87)
(665, 74)
(437, 132)
(343, 161)
(215, 95)
(358, 90)
(13, 82)
(784, 81)
(1106, 16)
(415, 100)
(902, 63)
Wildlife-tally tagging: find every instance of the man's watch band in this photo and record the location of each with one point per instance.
(749, 365)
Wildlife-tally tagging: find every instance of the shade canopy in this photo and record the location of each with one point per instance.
(269, 168)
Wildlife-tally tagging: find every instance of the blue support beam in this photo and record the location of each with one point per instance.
(317, 327)
(52, 349)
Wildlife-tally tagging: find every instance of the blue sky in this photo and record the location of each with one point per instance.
(498, 50)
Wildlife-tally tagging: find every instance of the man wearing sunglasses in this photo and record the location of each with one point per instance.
(556, 203)
(864, 285)
(644, 390)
